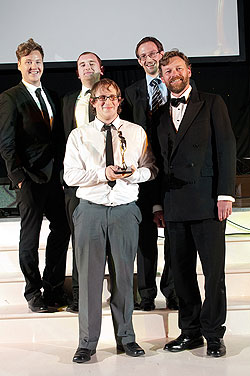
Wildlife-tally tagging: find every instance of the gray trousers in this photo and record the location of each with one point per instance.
(105, 232)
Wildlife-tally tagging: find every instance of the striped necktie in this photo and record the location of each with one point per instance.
(157, 99)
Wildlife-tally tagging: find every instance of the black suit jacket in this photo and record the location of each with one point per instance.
(69, 121)
(200, 164)
(136, 104)
(27, 144)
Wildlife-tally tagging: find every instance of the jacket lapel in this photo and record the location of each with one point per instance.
(193, 108)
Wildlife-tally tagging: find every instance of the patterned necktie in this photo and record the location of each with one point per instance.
(109, 149)
(157, 99)
(43, 106)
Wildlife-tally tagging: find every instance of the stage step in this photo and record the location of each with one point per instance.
(18, 324)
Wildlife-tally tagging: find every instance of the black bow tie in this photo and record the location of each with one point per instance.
(176, 101)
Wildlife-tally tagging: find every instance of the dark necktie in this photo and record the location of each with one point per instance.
(109, 150)
(176, 101)
(157, 99)
(43, 106)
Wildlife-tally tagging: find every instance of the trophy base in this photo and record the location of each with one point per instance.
(128, 170)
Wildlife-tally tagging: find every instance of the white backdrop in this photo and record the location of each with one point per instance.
(112, 28)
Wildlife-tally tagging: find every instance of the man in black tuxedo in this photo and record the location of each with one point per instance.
(76, 112)
(198, 148)
(32, 145)
(141, 105)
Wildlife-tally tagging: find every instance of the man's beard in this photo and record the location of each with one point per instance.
(178, 88)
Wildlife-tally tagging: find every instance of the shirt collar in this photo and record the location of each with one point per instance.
(99, 123)
(84, 89)
(185, 94)
(149, 79)
(30, 87)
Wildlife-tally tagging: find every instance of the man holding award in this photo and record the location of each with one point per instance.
(106, 159)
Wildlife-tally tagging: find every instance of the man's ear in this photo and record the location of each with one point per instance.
(161, 53)
(139, 61)
(102, 70)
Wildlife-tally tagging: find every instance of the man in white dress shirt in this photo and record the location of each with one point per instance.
(107, 219)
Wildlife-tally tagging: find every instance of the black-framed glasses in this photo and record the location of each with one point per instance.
(152, 55)
(103, 98)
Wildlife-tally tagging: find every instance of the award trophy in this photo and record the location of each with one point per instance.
(124, 169)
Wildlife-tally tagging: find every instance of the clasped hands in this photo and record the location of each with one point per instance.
(111, 175)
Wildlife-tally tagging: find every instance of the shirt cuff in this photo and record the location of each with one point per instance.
(226, 198)
(157, 208)
(101, 175)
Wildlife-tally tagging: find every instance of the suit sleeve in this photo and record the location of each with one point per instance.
(127, 107)
(226, 148)
(8, 126)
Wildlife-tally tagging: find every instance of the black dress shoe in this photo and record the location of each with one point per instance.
(145, 305)
(83, 355)
(73, 307)
(36, 304)
(55, 300)
(131, 349)
(184, 342)
(172, 303)
(216, 347)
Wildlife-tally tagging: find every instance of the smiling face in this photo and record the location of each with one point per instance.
(89, 69)
(149, 58)
(106, 110)
(176, 75)
(31, 67)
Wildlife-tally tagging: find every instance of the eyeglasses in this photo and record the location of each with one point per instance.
(152, 55)
(103, 98)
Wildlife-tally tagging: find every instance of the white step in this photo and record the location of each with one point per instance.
(18, 324)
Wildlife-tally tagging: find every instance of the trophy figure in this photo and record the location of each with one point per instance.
(123, 147)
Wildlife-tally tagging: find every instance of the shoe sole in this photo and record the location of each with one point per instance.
(216, 355)
(39, 310)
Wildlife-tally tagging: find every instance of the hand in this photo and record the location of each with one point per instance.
(20, 185)
(111, 175)
(224, 209)
(159, 219)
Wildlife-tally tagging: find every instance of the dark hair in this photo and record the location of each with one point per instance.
(26, 48)
(149, 39)
(105, 82)
(168, 55)
(86, 53)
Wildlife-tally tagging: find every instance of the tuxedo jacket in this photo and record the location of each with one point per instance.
(27, 144)
(69, 121)
(199, 160)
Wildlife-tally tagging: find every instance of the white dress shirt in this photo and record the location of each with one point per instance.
(178, 112)
(85, 162)
(31, 89)
(82, 107)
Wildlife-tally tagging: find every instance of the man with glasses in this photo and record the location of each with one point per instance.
(106, 221)
(142, 101)
(76, 112)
